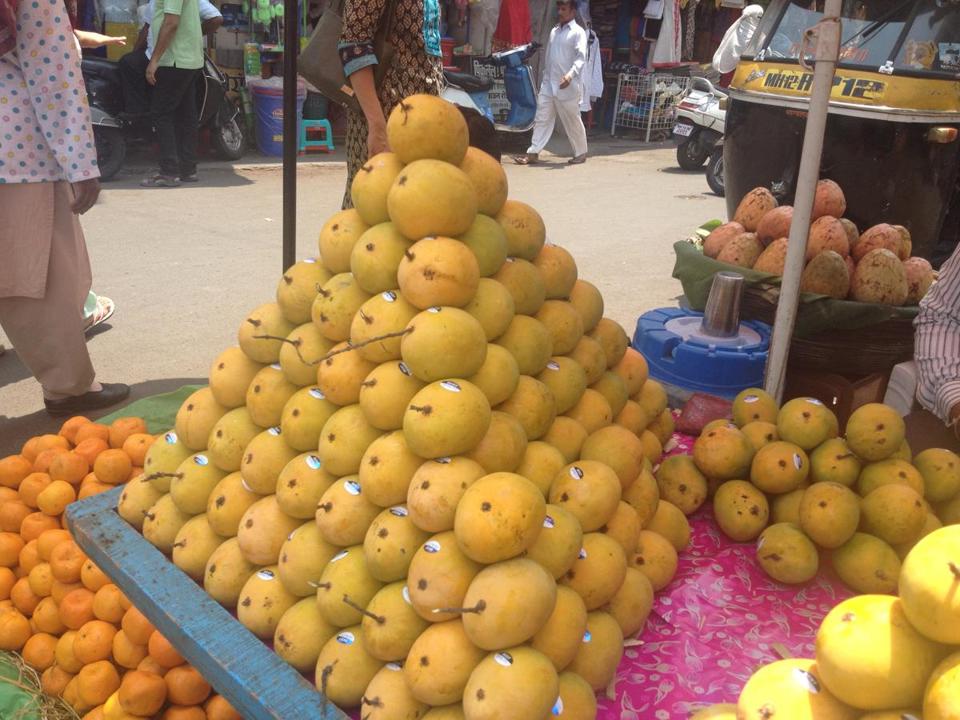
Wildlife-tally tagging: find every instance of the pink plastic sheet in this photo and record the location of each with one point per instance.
(720, 619)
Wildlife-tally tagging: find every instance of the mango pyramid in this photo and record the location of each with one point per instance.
(424, 471)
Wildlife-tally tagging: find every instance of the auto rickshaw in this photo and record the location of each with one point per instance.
(892, 130)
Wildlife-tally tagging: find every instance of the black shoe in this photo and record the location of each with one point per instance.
(577, 160)
(190, 178)
(109, 394)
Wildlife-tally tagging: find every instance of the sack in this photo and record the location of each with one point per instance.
(319, 62)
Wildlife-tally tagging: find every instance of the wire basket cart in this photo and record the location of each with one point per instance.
(647, 103)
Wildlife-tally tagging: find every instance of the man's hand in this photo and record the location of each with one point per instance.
(565, 81)
(95, 40)
(377, 139)
(152, 70)
(85, 195)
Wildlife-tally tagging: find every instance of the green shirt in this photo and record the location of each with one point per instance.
(186, 48)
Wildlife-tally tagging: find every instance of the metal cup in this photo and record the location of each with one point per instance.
(721, 317)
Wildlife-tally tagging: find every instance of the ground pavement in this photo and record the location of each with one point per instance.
(184, 265)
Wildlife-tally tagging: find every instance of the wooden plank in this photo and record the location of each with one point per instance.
(241, 668)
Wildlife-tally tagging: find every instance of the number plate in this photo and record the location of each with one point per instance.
(682, 129)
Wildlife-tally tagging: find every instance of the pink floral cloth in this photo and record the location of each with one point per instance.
(720, 619)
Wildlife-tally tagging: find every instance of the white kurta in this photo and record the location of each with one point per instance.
(566, 56)
(592, 75)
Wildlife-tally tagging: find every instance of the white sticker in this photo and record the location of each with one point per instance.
(510, 259)
(761, 541)
(582, 555)
(393, 667)
(310, 260)
(553, 365)
(313, 462)
(406, 594)
(432, 547)
(339, 556)
(404, 369)
(352, 487)
(450, 385)
(292, 533)
(814, 401)
(797, 461)
(275, 431)
(443, 460)
(346, 638)
(751, 398)
(201, 460)
(434, 310)
(557, 707)
(549, 523)
(276, 366)
(171, 438)
(389, 296)
(317, 393)
(576, 473)
(504, 658)
(806, 680)
(587, 637)
(265, 575)
(246, 487)
(399, 511)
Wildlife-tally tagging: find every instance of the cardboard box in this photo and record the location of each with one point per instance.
(231, 38)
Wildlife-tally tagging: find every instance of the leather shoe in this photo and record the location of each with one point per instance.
(109, 394)
(577, 160)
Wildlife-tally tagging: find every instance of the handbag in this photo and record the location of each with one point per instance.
(319, 62)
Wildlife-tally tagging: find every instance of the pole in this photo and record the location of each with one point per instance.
(827, 35)
(291, 47)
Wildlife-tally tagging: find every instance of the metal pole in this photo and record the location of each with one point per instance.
(291, 47)
(827, 51)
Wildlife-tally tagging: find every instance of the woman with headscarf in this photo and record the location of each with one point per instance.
(48, 176)
(415, 67)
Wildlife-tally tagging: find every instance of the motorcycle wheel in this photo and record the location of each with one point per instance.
(228, 139)
(715, 172)
(691, 155)
(111, 150)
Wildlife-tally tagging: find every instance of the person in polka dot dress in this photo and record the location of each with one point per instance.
(48, 177)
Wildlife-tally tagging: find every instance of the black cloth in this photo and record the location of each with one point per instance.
(174, 112)
(133, 79)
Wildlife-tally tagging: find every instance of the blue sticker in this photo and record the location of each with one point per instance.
(313, 462)
(346, 638)
(201, 460)
(171, 438)
(432, 547)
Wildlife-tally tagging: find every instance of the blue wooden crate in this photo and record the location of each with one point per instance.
(241, 668)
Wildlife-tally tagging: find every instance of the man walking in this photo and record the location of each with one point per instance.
(173, 71)
(561, 88)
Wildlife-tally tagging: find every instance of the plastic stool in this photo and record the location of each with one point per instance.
(325, 144)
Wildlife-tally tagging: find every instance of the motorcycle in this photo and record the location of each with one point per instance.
(701, 116)
(472, 91)
(715, 169)
(112, 131)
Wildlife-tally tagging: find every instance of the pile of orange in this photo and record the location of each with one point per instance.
(59, 611)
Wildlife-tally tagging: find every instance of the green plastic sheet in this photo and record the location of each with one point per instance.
(158, 411)
(20, 695)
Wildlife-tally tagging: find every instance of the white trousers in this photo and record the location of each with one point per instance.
(549, 108)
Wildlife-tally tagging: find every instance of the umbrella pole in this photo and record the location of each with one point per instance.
(291, 47)
(827, 35)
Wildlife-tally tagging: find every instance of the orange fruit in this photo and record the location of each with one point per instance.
(90, 448)
(29, 557)
(67, 562)
(218, 708)
(93, 488)
(13, 469)
(148, 664)
(10, 546)
(97, 681)
(41, 580)
(54, 498)
(23, 597)
(183, 712)
(122, 428)
(35, 523)
(93, 430)
(186, 686)
(126, 653)
(31, 449)
(50, 442)
(31, 486)
(49, 540)
(163, 652)
(14, 630)
(76, 608)
(46, 617)
(69, 467)
(12, 513)
(38, 651)
(112, 467)
(92, 577)
(94, 641)
(61, 589)
(65, 657)
(135, 472)
(7, 580)
(71, 426)
(7, 494)
(142, 693)
(108, 604)
(97, 713)
(53, 680)
(70, 695)
(136, 446)
(136, 626)
(43, 460)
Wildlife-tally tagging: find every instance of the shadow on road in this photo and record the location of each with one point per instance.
(14, 432)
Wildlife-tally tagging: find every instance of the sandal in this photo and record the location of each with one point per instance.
(526, 159)
(164, 181)
(103, 312)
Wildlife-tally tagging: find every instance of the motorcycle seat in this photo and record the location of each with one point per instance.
(100, 67)
(467, 81)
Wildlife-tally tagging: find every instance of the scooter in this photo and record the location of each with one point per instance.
(701, 115)
(112, 132)
(715, 169)
(472, 91)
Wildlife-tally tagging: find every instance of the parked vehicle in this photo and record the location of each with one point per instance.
(701, 115)
(715, 169)
(112, 132)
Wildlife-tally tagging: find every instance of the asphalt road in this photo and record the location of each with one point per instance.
(185, 265)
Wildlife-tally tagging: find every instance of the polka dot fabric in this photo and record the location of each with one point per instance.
(45, 132)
